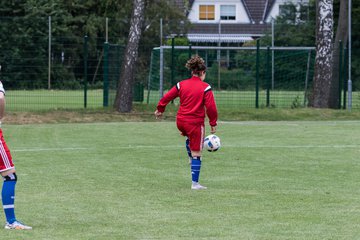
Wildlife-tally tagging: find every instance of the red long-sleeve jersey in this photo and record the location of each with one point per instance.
(195, 97)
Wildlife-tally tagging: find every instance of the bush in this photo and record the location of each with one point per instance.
(233, 79)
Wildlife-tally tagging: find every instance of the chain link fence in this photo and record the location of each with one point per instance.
(42, 69)
(244, 77)
(45, 69)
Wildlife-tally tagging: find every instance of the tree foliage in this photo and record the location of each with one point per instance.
(290, 32)
(24, 39)
(291, 29)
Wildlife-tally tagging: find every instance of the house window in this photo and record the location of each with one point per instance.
(207, 12)
(228, 12)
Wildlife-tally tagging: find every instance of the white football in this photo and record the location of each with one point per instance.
(212, 143)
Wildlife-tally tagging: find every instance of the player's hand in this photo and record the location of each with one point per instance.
(158, 114)
(213, 129)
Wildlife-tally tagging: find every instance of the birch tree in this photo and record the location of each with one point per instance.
(123, 100)
(323, 62)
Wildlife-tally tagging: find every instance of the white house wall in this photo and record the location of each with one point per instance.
(241, 15)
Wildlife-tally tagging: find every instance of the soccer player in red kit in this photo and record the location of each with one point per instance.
(7, 171)
(196, 99)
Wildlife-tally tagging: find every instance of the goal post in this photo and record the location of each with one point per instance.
(232, 73)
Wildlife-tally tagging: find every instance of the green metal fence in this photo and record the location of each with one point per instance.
(244, 76)
(43, 71)
(240, 77)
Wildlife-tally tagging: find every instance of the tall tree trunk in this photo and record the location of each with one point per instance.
(123, 100)
(341, 35)
(323, 61)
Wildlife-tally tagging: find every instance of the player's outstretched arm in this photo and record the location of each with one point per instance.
(168, 97)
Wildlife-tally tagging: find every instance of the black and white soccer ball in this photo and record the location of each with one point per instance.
(212, 143)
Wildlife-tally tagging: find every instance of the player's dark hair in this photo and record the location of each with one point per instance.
(196, 64)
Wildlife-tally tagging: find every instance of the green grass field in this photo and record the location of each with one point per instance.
(131, 180)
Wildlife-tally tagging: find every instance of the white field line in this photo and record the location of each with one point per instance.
(90, 148)
(291, 123)
(246, 123)
(179, 147)
(297, 146)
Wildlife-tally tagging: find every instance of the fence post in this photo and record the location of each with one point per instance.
(172, 60)
(345, 77)
(161, 84)
(190, 50)
(268, 78)
(257, 74)
(106, 75)
(49, 56)
(149, 78)
(307, 77)
(85, 69)
(340, 72)
(190, 55)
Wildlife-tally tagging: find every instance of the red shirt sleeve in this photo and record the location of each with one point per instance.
(211, 110)
(169, 96)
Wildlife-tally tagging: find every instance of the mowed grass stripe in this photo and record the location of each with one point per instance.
(107, 189)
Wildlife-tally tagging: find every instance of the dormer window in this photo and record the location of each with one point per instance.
(228, 12)
(207, 12)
